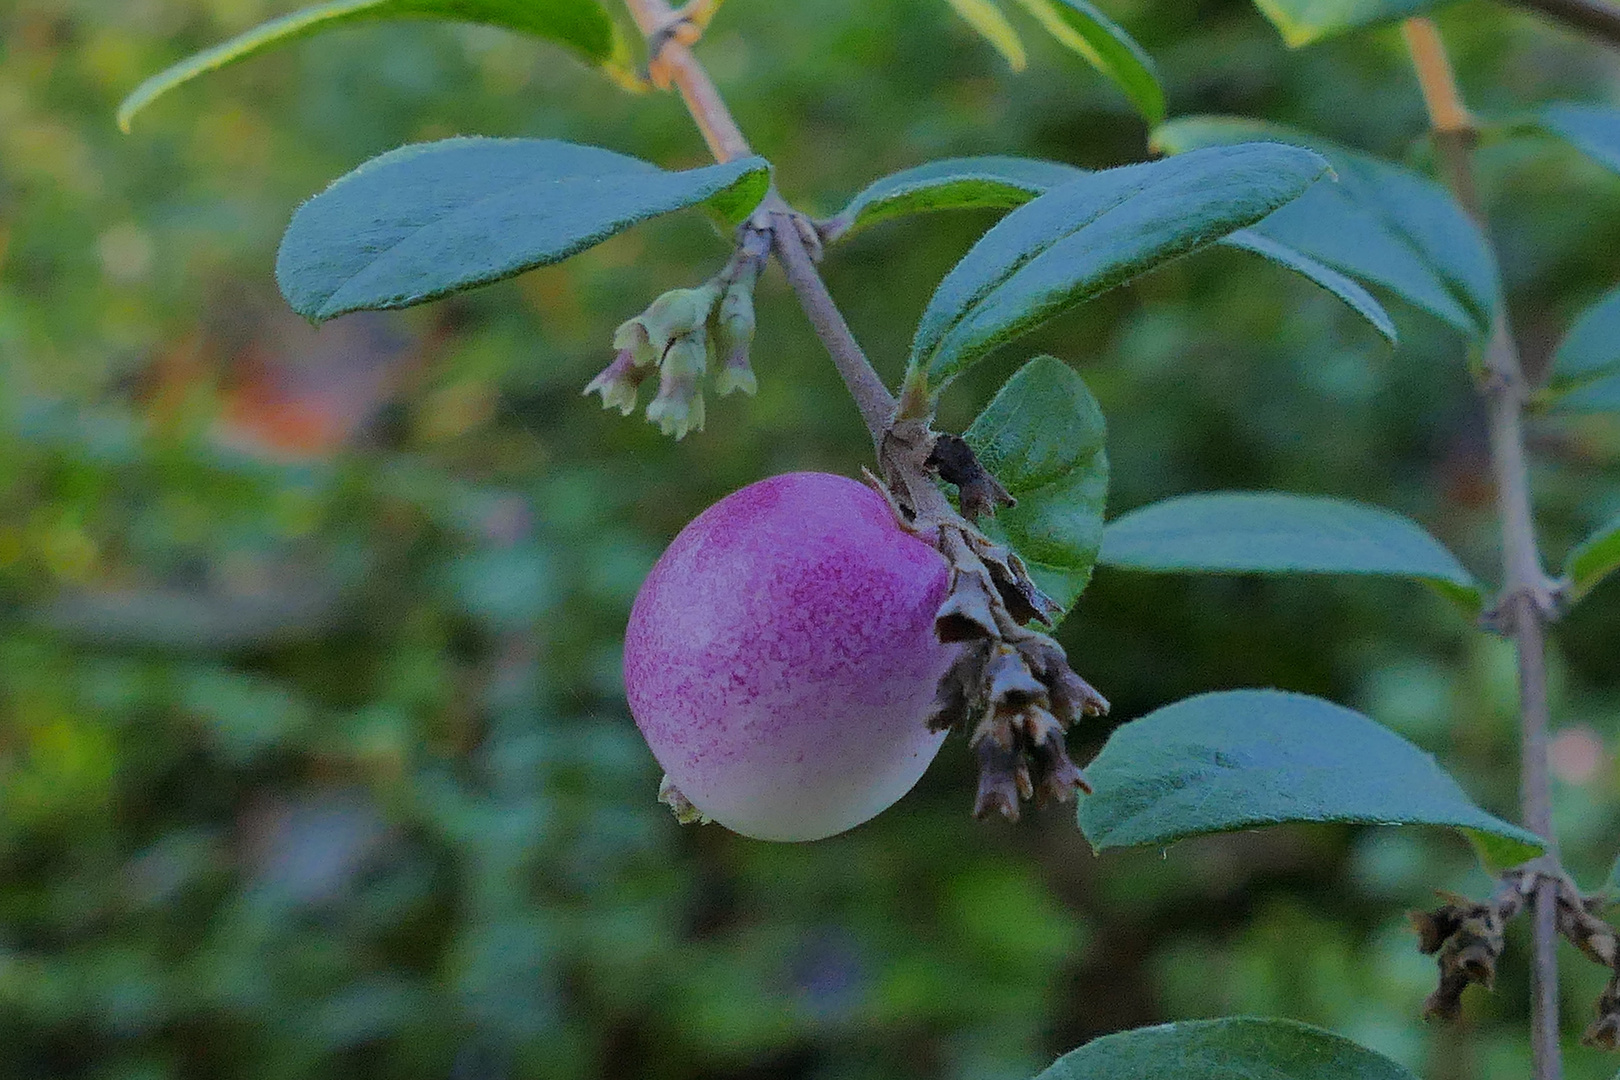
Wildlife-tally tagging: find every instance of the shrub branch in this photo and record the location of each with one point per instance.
(1011, 690)
(1527, 601)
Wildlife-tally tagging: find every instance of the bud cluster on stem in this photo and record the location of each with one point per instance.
(681, 336)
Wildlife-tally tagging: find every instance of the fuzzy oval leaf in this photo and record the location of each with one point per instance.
(431, 219)
(1043, 437)
(1591, 349)
(1593, 559)
(1231, 1048)
(1274, 533)
(584, 26)
(1381, 224)
(1358, 299)
(1081, 28)
(1600, 395)
(1084, 237)
(949, 184)
(1301, 22)
(1242, 759)
(1594, 130)
(992, 25)
(1001, 182)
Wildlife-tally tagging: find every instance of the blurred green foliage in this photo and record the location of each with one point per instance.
(313, 756)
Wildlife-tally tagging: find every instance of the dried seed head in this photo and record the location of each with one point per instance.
(1010, 684)
(998, 780)
(1071, 696)
(1433, 928)
(1023, 598)
(961, 692)
(1586, 931)
(1605, 1030)
(1465, 937)
(979, 492)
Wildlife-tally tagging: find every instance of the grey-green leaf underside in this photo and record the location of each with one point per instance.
(432, 219)
(1231, 1048)
(583, 26)
(1382, 224)
(1082, 28)
(1276, 533)
(993, 182)
(1243, 759)
(1594, 130)
(1302, 22)
(1585, 373)
(1043, 437)
(1593, 559)
(1084, 237)
(1005, 182)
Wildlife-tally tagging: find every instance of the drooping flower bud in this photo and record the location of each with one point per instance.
(734, 333)
(673, 315)
(619, 381)
(678, 408)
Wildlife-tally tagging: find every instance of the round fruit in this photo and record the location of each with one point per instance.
(781, 658)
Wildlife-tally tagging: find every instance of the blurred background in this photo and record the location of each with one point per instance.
(314, 760)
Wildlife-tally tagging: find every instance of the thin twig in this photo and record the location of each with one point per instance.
(1596, 17)
(1525, 605)
(675, 62)
(865, 386)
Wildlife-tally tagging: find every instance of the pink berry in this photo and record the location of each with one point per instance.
(781, 658)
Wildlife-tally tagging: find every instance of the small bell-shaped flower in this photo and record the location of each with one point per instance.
(619, 382)
(734, 333)
(678, 312)
(678, 408)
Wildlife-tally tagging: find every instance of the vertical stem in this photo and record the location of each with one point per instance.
(674, 61)
(1524, 608)
(865, 386)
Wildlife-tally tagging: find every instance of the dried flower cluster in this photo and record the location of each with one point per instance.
(1465, 937)
(1011, 690)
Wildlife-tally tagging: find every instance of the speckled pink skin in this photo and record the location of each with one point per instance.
(781, 660)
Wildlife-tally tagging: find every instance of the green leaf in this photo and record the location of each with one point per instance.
(1381, 224)
(1594, 130)
(1302, 22)
(1231, 1048)
(1359, 299)
(949, 184)
(1612, 886)
(1001, 182)
(1593, 559)
(583, 26)
(1247, 758)
(1598, 396)
(985, 17)
(1042, 436)
(1084, 237)
(431, 219)
(1273, 533)
(1591, 349)
(1080, 27)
